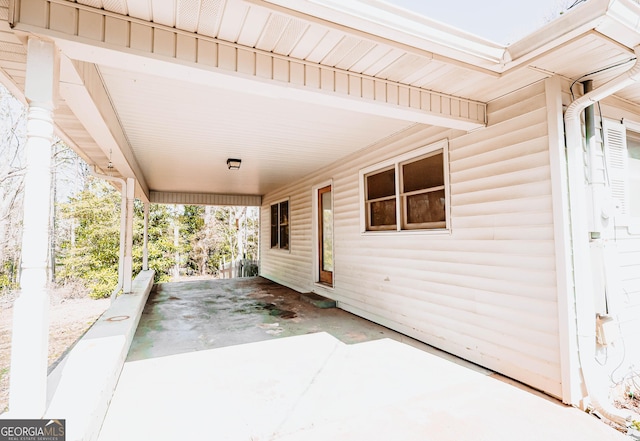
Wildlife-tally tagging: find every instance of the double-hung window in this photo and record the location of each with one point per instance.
(409, 192)
(280, 225)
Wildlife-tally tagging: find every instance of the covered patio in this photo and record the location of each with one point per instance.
(322, 115)
(248, 359)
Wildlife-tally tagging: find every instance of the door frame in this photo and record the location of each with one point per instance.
(316, 223)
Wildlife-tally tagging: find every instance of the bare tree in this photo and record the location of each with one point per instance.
(12, 168)
(69, 172)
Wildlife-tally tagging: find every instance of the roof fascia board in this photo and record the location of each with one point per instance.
(274, 89)
(593, 17)
(457, 113)
(244, 200)
(379, 18)
(269, 88)
(582, 19)
(626, 12)
(399, 26)
(622, 22)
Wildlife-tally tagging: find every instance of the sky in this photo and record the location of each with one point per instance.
(501, 21)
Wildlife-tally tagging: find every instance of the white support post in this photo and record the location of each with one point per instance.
(30, 341)
(569, 362)
(145, 247)
(128, 243)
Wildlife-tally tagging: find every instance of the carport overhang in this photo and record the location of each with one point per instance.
(106, 56)
(126, 84)
(137, 100)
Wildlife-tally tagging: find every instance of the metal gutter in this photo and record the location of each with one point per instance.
(381, 21)
(625, 12)
(583, 18)
(410, 25)
(376, 17)
(579, 220)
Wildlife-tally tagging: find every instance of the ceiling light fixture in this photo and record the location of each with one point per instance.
(234, 164)
(110, 164)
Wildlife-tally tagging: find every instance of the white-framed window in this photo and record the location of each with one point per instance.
(407, 193)
(280, 225)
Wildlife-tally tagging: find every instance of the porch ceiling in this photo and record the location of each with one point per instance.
(172, 88)
(182, 134)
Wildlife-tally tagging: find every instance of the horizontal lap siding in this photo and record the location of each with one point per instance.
(627, 268)
(501, 193)
(288, 267)
(629, 271)
(485, 292)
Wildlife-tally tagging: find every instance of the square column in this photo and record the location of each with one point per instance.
(145, 246)
(128, 242)
(29, 346)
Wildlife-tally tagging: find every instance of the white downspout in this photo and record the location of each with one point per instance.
(123, 224)
(583, 289)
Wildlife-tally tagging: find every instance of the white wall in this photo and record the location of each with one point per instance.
(621, 360)
(486, 291)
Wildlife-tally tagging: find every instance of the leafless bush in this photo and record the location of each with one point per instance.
(73, 289)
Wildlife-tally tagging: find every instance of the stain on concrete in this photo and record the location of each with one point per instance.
(207, 314)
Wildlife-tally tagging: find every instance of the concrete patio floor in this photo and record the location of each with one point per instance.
(245, 359)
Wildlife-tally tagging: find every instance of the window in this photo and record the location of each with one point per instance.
(407, 193)
(381, 200)
(280, 225)
(423, 196)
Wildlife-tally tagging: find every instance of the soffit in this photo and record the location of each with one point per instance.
(591, 56)
(268, 28)
(182, 134)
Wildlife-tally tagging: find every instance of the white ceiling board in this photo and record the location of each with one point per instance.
(253, 28)
(210, 17)
(118, 6)
(92, 3)
(234, 17)
(188, 15)
(164, 12)
(312, 36)
(290, 37)
(182, 134)
(141, 10)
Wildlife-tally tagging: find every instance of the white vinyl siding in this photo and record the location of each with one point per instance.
(485, 292)
(624, 260)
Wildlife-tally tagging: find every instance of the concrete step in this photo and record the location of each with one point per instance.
(317, 300)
